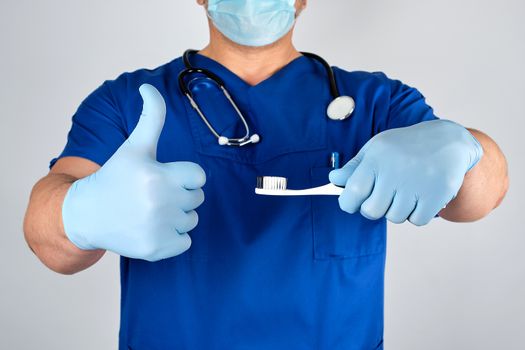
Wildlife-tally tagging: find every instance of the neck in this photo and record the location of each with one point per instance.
(251, 64)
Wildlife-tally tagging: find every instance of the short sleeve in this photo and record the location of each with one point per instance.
(407, 105)
(97, 129)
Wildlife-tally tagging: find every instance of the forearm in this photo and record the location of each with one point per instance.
(484, 185)
(44, 232)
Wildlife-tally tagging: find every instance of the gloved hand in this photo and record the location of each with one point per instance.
(134, 205)
(408, 173)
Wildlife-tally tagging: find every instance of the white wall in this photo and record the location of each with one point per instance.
(449, 286)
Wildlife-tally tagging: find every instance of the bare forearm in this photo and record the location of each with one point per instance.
(44, 230)
(484, 186)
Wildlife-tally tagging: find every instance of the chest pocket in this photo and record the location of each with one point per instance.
(337, 234)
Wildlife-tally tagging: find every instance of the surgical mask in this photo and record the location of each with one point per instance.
(252, 22)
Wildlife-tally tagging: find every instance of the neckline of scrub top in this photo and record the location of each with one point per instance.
(302, 131)
(199, 60)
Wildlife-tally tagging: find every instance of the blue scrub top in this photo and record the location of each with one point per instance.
(262, 272)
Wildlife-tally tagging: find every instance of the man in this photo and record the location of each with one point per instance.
(261, 272)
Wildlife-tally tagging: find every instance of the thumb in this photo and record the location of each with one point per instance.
(144, 138)
(339, 177)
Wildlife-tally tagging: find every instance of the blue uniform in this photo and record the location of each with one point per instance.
(263, 272)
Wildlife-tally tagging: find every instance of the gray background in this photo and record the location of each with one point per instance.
(449, 286)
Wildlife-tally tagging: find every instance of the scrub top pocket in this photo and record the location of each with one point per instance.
(338, 234)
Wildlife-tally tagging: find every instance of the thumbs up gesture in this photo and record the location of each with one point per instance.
(134, 205)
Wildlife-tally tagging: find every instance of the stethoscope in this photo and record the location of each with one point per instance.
(340, 108)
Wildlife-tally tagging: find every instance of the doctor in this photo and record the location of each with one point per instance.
(208, 264)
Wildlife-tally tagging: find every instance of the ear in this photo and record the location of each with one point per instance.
(300, 5)
(202, 2)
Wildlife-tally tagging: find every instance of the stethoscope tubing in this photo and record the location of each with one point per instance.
(247, 139)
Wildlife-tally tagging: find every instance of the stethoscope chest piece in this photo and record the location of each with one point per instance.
(341, 108)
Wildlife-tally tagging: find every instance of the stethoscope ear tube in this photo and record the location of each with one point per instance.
(222, 140)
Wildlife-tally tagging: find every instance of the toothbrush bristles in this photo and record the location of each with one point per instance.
(272, 182)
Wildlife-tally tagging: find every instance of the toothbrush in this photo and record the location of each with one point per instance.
(277, 186)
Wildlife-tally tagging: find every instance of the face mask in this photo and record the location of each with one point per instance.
(252, 22)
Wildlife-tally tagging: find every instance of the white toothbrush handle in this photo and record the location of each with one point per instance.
(328, 189)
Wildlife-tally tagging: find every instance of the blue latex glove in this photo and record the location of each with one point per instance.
(408, 173)
(134, 205)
